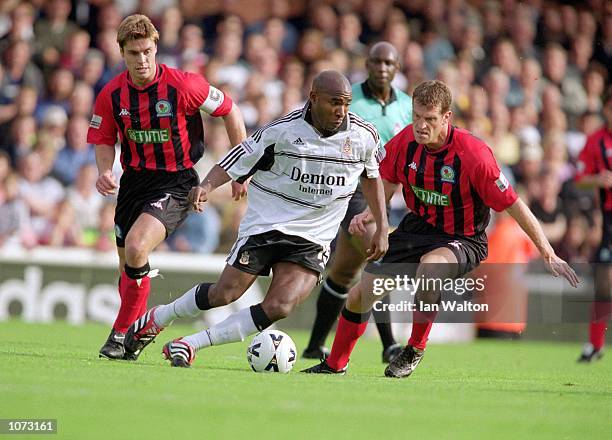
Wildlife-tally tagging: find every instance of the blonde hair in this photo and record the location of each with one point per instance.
(135, 27)
(433, 93)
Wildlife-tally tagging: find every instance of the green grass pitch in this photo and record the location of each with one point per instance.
(495, 390)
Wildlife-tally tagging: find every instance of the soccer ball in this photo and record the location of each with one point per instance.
(271, 351)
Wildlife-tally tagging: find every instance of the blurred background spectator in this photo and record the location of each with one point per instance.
(527, 77)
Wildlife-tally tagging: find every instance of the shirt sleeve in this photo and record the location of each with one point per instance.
(490, 183)
(586, 164)
(388, 165)
(102, 127)
(375, 153)
(199, 94)
(255, 153)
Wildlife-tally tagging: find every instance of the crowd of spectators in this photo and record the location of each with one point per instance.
(527, 77)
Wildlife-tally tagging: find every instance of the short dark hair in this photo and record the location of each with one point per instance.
(433, 93)
(135, 27)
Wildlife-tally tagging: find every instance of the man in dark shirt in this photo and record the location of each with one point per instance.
(450, 181)
(155, 111)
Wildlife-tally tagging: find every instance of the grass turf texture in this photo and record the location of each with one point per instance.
(484, 389)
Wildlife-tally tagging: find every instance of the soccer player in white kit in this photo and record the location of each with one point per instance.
(304, 167)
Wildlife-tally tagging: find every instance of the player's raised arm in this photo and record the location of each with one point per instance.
(527, 221)
(214, 102)
(497, 193)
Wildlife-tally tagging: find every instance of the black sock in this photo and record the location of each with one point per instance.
(260, 319)
(383, 324)
(137, 273)
(357, 318)
(201, 296)
(329, 305)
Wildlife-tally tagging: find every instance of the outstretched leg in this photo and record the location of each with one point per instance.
(291, 285)
(231, 285)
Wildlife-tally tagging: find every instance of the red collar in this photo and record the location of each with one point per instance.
(158, 74)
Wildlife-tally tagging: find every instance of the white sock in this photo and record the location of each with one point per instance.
(182, 307)
(232, 329)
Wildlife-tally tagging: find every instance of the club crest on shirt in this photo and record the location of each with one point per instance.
(447, 174)
(346, 148)
(163, 108)
(244, 258)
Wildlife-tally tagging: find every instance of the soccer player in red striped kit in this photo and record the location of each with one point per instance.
(595, 171)
(450, 181)
(155, 111)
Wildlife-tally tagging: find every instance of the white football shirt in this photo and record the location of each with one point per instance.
(302, 182)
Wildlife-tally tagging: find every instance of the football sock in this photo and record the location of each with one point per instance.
(143, 309)
(232, 329)
(134, 298)
(331, 300)
(599, 323)
(201, 296)
(183, 307)
(350, 328)
(383, 324)
(421, 326)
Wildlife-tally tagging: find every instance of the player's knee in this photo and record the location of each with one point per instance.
(355, 298)
(437, 272)
(342, 276)
(135, 251)
(278, 309)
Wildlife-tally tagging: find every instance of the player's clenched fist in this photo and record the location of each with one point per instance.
(197, 197)
(106, 183)
(359, 222)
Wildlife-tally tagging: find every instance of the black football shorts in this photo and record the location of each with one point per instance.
(161, 194)
(414, 238)
(256, 254)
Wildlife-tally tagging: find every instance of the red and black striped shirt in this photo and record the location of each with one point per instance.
(159, 125)
(451, 188)
(595, 157)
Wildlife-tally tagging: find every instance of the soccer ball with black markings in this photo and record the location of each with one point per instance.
(271, 351)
